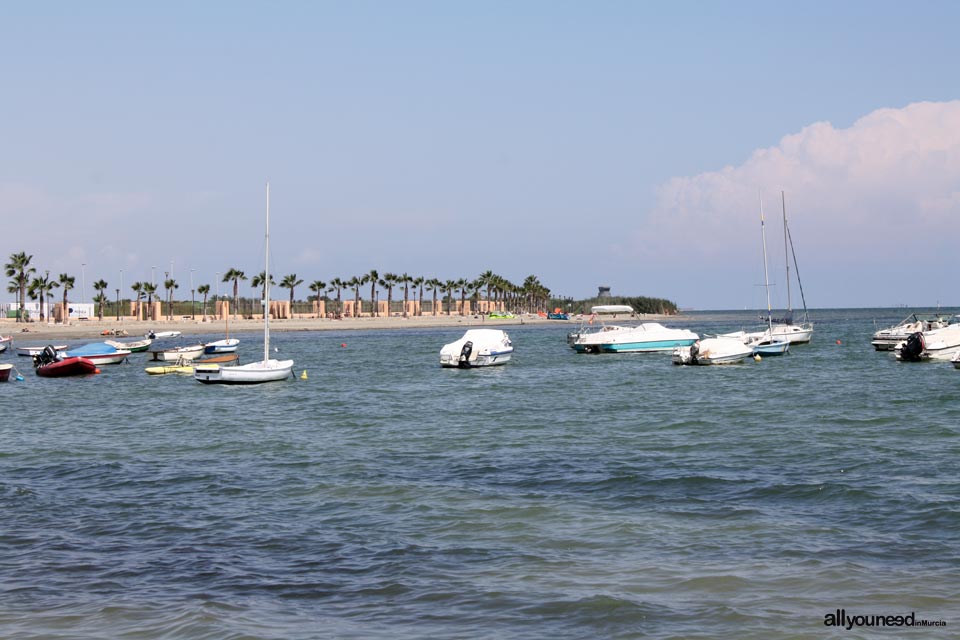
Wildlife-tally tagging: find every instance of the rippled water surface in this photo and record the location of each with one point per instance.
(560, 495)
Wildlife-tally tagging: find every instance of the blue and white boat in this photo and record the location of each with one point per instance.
(98, 353)
(648, 336)
(227, 345)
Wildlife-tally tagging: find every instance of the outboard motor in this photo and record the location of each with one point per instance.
(48, 355)
(694, 351)
(912, 348)
(465, 354)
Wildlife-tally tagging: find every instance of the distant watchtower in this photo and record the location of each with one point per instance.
(603, 292)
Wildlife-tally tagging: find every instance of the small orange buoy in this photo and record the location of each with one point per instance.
(343, 344)
(96, 370)
(838, 342)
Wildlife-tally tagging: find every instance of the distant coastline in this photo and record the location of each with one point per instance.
(92, 329)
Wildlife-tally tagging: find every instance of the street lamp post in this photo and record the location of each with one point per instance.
(83, 283)
(118, 305)
(193, 301)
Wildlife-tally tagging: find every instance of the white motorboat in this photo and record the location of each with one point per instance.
(32, 352)
(173, 354)
(648, 336)
(5, 342)
(712, 351)
(159, 335)
(594, 323)
(887, 339)
(477, 348)
(266, 370)
(936, 344)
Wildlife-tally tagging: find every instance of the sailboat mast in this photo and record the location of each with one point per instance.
(786, 256)
(766, 276)
(266, 286)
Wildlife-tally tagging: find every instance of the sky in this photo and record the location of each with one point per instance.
(624, 144)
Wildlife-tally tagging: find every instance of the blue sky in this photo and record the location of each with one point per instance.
(615, 143)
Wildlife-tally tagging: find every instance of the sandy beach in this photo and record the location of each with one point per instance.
(37, 332)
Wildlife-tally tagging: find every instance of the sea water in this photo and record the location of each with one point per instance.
(560, 495)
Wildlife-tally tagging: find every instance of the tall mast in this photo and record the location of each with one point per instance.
(266, 287)
(786, 256)
(766, 277)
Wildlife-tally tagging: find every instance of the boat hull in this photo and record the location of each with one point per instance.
(794, 334)
(252, 373)
(482, 360)
(647, 337)
(640, 347)
(108, 358)
(134, 347)
(189, 368)
(713, 351)
(5, 370)
(75, 366)
(180, 353)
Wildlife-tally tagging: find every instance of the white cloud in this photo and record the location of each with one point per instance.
(884, 191)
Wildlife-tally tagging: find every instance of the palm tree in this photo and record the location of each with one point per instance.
(449, 286)
(289, 282)
(418, 284)
(170, 284)
(463, 284)
(100, 286)
(204, 290)
(150, 289)
(318, 287)
(536, 294)
(137, 289)
(66, 281)
(388, 282)
(19, 269)
(405, 280)
(336, 285)
(236, 276)
(260, 280)
(485, 279)
(434, 284)
(100, 299)
(372, 278)
(355, 283)
(38, 289)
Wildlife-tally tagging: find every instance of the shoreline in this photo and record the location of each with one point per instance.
(92, 329)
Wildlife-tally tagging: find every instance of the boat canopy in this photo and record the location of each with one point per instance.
(612, 308)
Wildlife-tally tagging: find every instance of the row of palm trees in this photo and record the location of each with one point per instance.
(530, 296)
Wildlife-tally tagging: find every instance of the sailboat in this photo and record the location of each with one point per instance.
(266, 370)
(784, 327)
(769, 343)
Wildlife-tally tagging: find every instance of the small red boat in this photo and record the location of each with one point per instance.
(49, 365)
(5, 370)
